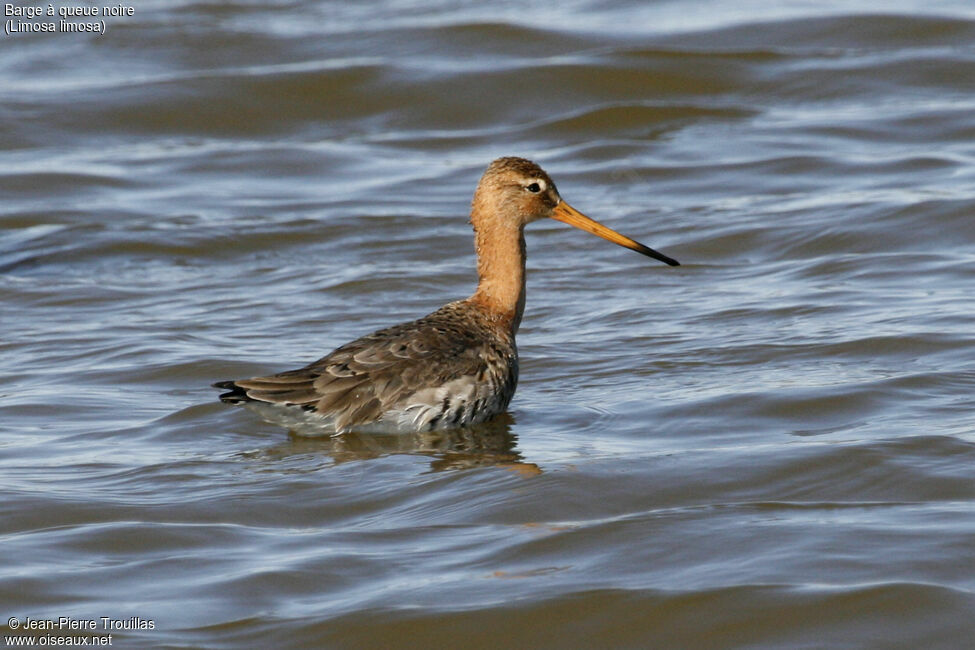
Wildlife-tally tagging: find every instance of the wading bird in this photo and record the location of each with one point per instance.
(455, 367)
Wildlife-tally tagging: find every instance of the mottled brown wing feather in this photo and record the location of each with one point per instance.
(359, 381)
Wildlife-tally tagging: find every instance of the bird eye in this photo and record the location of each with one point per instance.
(534, 188)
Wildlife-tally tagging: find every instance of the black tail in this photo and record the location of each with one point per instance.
(236, 394)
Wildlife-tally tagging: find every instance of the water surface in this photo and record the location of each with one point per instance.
(769, 446)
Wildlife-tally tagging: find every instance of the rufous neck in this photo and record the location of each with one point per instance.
(501, 271)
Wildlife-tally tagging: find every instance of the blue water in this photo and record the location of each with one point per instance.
(770, 446)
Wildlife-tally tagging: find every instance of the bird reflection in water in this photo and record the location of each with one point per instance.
(491, 444)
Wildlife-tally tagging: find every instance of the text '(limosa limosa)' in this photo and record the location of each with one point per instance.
(453, 368)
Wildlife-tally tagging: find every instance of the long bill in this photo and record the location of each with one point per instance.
(567, 214)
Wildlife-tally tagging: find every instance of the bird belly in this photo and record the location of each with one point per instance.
(459, 403)
(456, 404)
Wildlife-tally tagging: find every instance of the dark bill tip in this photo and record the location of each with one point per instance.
(657, 255)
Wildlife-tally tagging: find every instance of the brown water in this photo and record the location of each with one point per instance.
(771, 446)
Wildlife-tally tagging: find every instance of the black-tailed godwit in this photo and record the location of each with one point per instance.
(455, 367)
